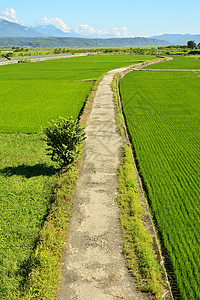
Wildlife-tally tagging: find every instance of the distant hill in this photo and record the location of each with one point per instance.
(10, 29)
(50, 33)
(80, 42)
(13, 34)
(178, 39)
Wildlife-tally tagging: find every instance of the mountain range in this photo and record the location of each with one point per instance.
(178, 39)
(10, 29)
(13, 30)
(78, 42)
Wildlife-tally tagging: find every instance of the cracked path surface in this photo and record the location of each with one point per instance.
(94, 266)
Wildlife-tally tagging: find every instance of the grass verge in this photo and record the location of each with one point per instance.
(138, 251)
(44, 278)
(138, 245)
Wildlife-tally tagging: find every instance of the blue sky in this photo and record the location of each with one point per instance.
(119, 17)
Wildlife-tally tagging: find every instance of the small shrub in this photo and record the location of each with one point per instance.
(64, 138)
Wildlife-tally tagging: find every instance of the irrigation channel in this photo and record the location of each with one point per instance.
(94, 266)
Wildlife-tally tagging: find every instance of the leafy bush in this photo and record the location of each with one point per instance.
(63, 138)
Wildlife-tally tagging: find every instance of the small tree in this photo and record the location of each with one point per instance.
(191, 44)
(63, 138)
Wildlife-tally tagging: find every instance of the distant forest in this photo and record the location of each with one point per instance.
(80, 42)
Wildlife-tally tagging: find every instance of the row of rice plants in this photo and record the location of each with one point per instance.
(162, 114)
(31, 95)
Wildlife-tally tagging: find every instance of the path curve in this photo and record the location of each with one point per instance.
(94, 266)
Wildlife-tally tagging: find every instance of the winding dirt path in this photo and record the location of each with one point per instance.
(94, 266)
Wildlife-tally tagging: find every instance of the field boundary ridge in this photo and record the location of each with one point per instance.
(15, 61)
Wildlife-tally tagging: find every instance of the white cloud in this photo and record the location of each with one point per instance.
(120, 32)
(9, 14)
(124, 31)
(85, 30)
(88, 30)
(58, 23)
(102, 31)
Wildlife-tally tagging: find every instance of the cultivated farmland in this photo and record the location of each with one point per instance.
(180, 62)
(162, 111)
(32, 94)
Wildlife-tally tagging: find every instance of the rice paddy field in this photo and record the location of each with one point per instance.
(34, 93)
(162, 111)
(180, 62)
(31, 94)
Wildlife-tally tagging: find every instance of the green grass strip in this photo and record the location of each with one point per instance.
(137, 240)
(44, 279)
(118, 114)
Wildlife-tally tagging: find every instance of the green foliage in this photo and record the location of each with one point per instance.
(18, 49)
(194, 52)
(163, 114)
(63, 138)
(57, 51)
(191, 44)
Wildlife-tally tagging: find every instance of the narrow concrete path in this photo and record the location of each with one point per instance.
(94, 266)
